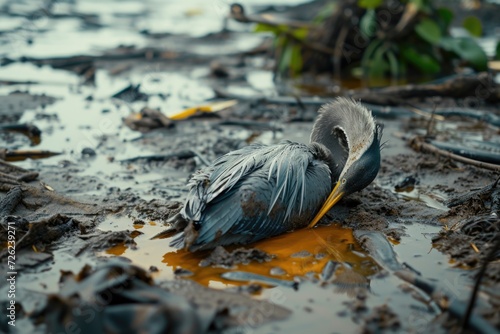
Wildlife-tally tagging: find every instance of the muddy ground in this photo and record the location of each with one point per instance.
(90, 253)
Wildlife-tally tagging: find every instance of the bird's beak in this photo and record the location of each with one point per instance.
(332, 199)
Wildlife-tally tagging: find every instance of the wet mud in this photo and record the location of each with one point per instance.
(90, 222)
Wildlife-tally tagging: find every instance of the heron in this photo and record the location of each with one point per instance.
(261, 191)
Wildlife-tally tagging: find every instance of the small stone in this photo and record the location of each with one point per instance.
(277, 271)
(182, 272)
(320, 256)
(87, 151)
(301, 254)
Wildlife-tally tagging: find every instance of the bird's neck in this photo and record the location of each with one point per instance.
(321, 152)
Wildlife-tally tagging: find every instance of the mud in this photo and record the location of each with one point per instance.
(91, 218)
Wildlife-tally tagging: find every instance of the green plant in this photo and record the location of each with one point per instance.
(287, 45)
(427, 47)
(415, 38)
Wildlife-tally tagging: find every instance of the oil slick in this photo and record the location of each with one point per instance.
(296, 254)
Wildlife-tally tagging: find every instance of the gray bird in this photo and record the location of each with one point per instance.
(261, 191)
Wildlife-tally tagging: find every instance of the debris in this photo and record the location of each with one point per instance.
(185, 154)
(419, 145)
(407, 184)
(105, 240)
(131, 93)
(208, 108)
(148, 119)
(473, 153)
(459, 86)
(88, 152)
(29, 130)
(241, 276)
(381, 318)
(376, 244)
(328, 270)
(277, 271)
(485, 191)
(13, 197)
(19, 155)
(128, 299)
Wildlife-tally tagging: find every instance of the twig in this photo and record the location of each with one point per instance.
(459, 86)
(470, 305)
(238, 14)
(468, 152)
(18, 155)
(418, 144)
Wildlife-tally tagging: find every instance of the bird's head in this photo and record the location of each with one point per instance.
(349, 131)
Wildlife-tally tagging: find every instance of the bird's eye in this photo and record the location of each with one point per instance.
(343, 181)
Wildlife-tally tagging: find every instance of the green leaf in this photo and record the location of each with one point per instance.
(369, 54)
(422, 61)
(467, 49)
(296, 59)
(378, 65)
(369, 4)
(446, 16)
(262, 27)
(473, 25)
(393, 63)
(286, 59)
(300, 33)
(422, 5)
(429, 31)
(368, 23)
(325, 12)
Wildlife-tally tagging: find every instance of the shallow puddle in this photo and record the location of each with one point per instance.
(296, 254)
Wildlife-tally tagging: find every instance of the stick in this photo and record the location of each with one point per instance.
(418, 144)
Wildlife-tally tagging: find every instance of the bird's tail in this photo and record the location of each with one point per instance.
(178, 241)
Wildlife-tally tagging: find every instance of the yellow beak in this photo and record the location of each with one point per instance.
(332, 199)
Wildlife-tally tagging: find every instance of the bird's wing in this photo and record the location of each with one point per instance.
(196, 198)
(210, 182)
(254, 193)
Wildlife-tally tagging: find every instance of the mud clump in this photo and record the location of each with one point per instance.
(220, 257)
(158, 210)
(42, 233)
(105, 240)
(468, 245)
(382, 318)
(120, 298)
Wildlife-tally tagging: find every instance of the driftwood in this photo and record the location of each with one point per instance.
(419, 144)
(18, 155)
(480, 86)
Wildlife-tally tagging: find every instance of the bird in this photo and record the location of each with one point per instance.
(261, 191)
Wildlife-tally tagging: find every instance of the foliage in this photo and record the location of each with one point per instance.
(425, 47)
(287, 44)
